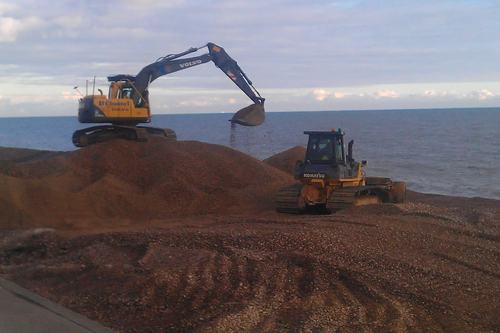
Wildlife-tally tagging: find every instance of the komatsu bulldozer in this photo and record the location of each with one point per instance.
(127, 103)
(331, 180)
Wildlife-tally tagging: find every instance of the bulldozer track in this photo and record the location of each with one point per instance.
(287, 199)
(343, 198)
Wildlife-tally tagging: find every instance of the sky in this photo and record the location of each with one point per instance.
(302, 55)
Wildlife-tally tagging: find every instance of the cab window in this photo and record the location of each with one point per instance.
(127, 92)
(339, 149)
(320, 149)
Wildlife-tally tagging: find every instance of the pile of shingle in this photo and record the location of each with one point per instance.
(134, 182)
(286, 160)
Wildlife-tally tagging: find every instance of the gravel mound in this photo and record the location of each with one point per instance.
(20, 155)
(286, 160)
(428, 265)
(122, 182)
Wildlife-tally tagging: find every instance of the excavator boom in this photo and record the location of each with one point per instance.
(128, 103)
(174, 63)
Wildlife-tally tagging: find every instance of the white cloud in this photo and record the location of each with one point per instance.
(22, 99)
(70, 26)
(144, 4)
(8, 66)
(11, 27)
(69, 22)
(69, 95)
(8, 29)
(120, 31)
(340, 94)
(7, 7)
(386, 93)
(321, 94)
(362, 54)
(483, 94)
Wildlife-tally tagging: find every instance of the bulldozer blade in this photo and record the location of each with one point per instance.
(252, 115)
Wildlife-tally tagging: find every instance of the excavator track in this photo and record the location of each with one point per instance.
(288, 200)
(343, 198)
(95, 134)
(165, 132)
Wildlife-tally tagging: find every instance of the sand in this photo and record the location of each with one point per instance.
(182, 236)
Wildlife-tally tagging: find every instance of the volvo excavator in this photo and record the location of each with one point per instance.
(127, 103)
(331, 180)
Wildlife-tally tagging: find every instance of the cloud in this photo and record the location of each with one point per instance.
(11, 27)
(344, 47)
(340, 94)
(7, 7)
(69, 96)
(8, 66)
(387, 93)
(145, 4)
(484, 94)
(64, 102)
(67, 26)
(321, 94)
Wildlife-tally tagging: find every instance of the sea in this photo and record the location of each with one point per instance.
(441, 151)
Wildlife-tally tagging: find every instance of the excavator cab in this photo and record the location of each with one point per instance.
(118, 107)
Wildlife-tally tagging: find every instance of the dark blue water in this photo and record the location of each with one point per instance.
(445, 151)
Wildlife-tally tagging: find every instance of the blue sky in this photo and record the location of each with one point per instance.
(301, 55)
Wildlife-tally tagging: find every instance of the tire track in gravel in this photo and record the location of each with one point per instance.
(275, 291)
(311, 274)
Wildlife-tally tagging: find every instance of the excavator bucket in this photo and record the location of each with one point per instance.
(252, 115)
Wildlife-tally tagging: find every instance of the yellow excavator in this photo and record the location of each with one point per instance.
(127, 103)
(331, 180)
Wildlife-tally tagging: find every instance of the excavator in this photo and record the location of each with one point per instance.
(127, 103)
(331, 180)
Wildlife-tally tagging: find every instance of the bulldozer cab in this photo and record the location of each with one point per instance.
(325, 147)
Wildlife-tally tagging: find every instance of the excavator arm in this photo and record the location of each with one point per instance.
(252, 115)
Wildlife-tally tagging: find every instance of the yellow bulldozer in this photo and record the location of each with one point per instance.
(331, 180)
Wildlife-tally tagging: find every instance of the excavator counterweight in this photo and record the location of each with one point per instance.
(127, 103)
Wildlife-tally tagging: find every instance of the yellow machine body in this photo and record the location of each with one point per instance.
(116, 108)
(330, 179)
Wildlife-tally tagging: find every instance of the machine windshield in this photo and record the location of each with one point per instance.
(127, 92)
(325, 149)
